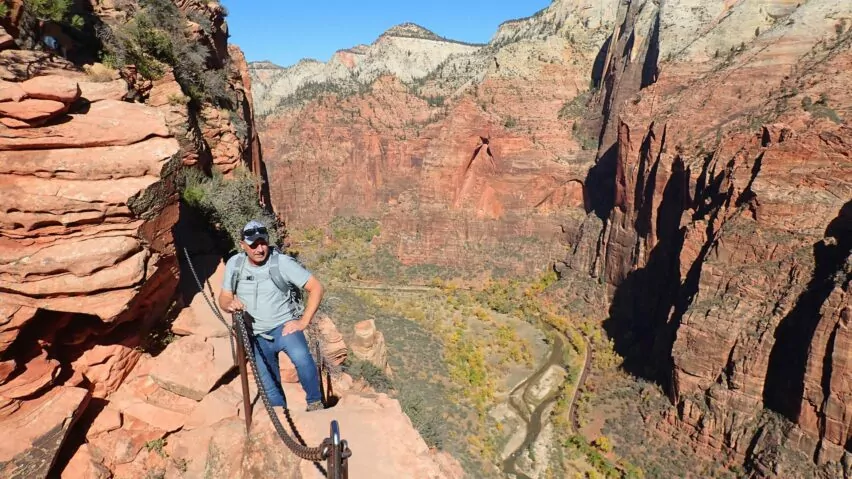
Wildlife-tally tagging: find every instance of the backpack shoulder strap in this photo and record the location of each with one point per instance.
(276, 276)
(238, 267)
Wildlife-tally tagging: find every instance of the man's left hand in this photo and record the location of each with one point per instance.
(291, 327)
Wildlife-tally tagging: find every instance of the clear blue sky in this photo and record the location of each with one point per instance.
(285, 31)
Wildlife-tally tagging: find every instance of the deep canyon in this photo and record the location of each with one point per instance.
(666, 185)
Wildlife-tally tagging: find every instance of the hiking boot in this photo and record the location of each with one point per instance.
(315, 406)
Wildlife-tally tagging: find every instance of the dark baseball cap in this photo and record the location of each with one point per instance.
(255, 230)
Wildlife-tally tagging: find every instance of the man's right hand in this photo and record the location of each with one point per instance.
(234, 306)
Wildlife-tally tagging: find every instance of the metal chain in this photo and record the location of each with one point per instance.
(314, 454)
(210, 303)
(326, 450)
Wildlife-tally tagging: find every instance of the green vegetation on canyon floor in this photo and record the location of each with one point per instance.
(458, 348)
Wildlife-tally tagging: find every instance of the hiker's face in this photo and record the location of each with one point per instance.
(257, 252)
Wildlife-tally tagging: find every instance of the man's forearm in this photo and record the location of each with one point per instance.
(314, 299)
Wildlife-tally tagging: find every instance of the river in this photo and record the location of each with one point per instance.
(535, 422)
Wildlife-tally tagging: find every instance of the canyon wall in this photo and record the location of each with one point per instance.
(724, 227)
(695, 155)
(88, 224)
(459, 150)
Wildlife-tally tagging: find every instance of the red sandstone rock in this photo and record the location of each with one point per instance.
(32, 110)
(221, 404)
(751, 197)
(12, 318)
(106, 366)
(11, 91)
(99, 91)
(369, 345)
(56, 88)
(332, 346)
(84, 465)
(107, 420)
(145, 158)
(13, 123)
(38, 373)
(428, 169)
(6, 40)
(122, 445)
(107, 123)
(40, 427)
(20, 65)
(191, 366)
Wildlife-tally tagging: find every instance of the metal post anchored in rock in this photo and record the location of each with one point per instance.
(247, 407)
(337, 462)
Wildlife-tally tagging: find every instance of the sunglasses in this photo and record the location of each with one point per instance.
(254, 231)
(256, 244)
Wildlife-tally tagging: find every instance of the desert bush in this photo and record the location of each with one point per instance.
(56, 10)
(425, 421)
(156, 39)
(240, 126)
(99, 73)
(228, 204)
(354, 228)
(437, 100)
(369, 372)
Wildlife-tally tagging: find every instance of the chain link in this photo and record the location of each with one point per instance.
(211, 304)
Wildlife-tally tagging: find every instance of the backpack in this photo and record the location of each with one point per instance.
(274, 273)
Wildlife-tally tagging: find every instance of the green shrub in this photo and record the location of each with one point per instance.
(425, 421)
(369, 372)
(435, 100)
(156, 445)
(154, 39)
(57, 10)
(228, 204)
(354, 228)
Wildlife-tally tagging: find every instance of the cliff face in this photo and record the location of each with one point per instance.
(459, 150)
(705, 179)
(87, 227)
(724, 171)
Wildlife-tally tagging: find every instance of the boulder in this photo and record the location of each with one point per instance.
(332, 346)
(40, 427)
(191, 366)
(84, 465)
(38, 374)
(99, 91)
(52, 87)
(369, 345)
(106, 366)
(32, 110)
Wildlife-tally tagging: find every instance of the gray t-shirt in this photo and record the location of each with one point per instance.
(269, 306)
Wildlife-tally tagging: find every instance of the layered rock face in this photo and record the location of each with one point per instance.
(87, 256)
(468, 164)
(716, 207)
(723, 174)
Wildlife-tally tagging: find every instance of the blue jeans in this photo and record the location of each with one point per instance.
(296, 347)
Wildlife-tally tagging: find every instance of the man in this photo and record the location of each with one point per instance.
(277, 320)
